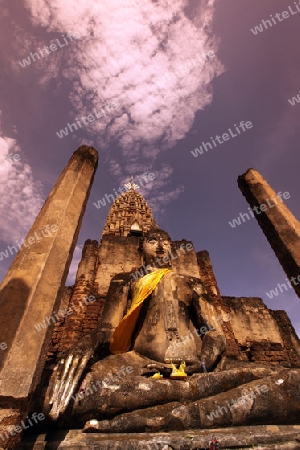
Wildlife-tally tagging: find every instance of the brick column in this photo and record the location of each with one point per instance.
(83, 316)
(209, 279)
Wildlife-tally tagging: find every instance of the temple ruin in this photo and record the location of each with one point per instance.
(254, 333)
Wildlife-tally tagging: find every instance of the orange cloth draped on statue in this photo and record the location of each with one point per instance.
(121, 339)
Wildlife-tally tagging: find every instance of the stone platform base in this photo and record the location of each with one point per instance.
(264, 437)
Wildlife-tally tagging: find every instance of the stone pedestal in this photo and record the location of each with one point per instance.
(249, 437)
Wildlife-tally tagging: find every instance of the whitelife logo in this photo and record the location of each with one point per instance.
(225, 136)
(19, 428)
(63, 313)
(284, 15)
(47, 50)
(86, 120)
(146, 177)
(12, 158)
(45, 232)
(294, 100)
(259, 209)
(3, 346)
(274, 292)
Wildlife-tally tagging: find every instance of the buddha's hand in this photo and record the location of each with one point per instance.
(66, 375)
(193, 366)
(154, 367)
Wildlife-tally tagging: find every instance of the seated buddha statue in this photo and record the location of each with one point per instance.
(155, 317)
(147, 334)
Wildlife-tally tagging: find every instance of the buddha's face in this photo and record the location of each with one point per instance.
(155, 246)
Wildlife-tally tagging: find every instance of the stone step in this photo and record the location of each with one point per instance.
(262, 437)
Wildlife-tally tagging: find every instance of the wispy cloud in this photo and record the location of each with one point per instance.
(120, 58)
(20, 194)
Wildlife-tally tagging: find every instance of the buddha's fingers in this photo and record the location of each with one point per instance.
(67, 385)
(68, 381)
(61, 371)
(67, 374)
(73, 381)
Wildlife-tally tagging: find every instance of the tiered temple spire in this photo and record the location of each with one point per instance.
(129, 214)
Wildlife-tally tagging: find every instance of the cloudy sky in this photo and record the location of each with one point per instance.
(156, 79)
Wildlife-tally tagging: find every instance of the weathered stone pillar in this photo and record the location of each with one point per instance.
(279, 225)
(31, 289)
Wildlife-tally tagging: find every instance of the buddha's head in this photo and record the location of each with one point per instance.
(156, 243)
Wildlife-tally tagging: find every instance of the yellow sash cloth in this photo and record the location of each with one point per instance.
(121, 339)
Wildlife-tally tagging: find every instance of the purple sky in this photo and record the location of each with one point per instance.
(150, 59)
